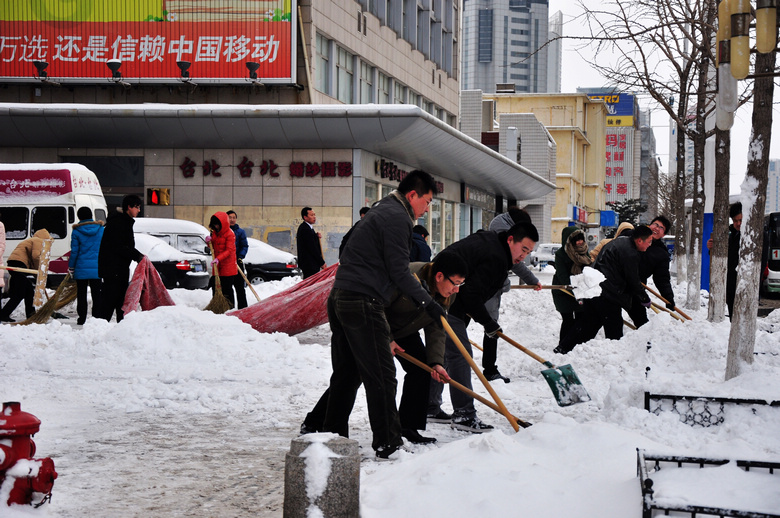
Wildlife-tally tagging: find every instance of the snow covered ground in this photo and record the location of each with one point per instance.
(179, 412)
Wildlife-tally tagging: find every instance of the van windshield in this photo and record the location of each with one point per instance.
(192, 244)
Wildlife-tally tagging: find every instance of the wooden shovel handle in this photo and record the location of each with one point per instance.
(651, 290)
(475, 368)
(248, 283)
(21, 270)
(463, 389)
(526, 351)
(662, 308)
(217, 283)
(544, 287)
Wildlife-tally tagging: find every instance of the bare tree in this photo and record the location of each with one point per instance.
(664, 47)
(720, 227)
(742, 338)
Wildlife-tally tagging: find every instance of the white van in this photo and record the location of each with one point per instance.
(36, 196)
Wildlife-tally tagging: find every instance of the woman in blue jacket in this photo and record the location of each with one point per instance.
(83, 264)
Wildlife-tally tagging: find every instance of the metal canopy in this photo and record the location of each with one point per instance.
(401, 133)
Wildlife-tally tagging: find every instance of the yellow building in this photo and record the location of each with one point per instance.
(578, 125)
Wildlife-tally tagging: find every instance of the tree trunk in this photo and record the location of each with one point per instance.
(720, 227)
(679, 198)
(742, 338)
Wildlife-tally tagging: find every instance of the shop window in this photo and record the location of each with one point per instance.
(370, 197)
(435, 229)
(449, 223)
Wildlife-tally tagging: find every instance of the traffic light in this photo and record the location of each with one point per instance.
(158, 196)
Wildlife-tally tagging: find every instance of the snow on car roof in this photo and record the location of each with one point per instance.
(169, 226)
(260, 252)
(158, 250)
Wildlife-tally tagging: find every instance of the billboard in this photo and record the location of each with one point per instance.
(620, 108)
(152, 41)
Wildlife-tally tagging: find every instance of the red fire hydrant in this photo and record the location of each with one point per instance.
(23, 480)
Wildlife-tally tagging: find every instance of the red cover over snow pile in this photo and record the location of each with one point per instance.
(293, 310)
(146, 288)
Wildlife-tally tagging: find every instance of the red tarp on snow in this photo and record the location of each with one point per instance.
(294, 310)
(146, 288)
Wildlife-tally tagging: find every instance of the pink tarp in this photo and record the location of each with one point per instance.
(294, 310)
(146, 288)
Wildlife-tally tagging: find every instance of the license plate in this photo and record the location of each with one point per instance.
(197, 267)
(776, 254)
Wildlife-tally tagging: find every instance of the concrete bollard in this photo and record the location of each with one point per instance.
(322, 477)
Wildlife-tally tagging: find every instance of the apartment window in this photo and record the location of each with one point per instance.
(383, 89)
(323, 63)
(366, 83)
(344, 76)
(414, 98)
(398, 94)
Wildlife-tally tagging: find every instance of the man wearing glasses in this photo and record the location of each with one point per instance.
(489, 256)
(655, 262)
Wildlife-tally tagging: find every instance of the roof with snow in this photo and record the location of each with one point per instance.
(402, 133)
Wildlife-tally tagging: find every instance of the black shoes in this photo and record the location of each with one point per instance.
(306, 429)
(561, 350)
(492, 374)
(414, 437)
(384, 452)
(473, 425)
(442, 417)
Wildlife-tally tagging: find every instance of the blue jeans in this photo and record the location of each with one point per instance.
(360, 352)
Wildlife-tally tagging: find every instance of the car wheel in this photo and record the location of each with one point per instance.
(256, 278)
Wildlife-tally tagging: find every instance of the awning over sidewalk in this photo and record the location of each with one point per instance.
(401, 133)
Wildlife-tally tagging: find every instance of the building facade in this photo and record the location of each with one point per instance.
(504, 43)
(578, 126)
(220, 129)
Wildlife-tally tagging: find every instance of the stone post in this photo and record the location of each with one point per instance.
(322, 472)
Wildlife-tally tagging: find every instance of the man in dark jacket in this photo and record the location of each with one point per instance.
(618, 261)
(420, 251)
(505, 221)
(309, 249)
(117, 251)
(441, 279)
(375, 262)
(732, 261)
(488, 256)
(655, 262)
(242, 247)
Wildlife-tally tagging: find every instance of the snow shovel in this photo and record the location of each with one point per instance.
(249, 284)
(509, 417)
(651, 290)
(564, 383)
(485, 401)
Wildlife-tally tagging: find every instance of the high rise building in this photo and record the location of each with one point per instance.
(555, 53)
(504, 43)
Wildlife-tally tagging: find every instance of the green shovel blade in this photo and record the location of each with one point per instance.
(565, 385)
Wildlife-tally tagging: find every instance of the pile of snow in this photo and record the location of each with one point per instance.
(178, 411)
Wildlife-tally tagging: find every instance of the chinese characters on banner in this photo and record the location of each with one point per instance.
(147, 50)
(267, 167)
(619, 164)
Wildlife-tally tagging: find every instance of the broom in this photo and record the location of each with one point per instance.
(66, 290)
(219, 303)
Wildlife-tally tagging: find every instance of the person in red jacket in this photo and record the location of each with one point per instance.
(224, 242)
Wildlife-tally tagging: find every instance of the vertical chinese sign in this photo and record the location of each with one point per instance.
(619, 172)
(149, 37)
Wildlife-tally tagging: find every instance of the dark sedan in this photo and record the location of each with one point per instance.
(264, 263)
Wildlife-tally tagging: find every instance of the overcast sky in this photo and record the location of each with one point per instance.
(574, 69)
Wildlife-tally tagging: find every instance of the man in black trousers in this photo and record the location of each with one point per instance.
(309, 250)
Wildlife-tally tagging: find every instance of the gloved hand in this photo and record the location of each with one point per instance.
(646, 303)
(670, 305)
(435, 311)
(71, 271)
(492, 329)
(208, 239)
(215, 262)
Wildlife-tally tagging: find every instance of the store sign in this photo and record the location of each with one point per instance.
(75, 39)
(619, 164)
(620, 108)
(390, 171)
(247, 167)
(478, 198)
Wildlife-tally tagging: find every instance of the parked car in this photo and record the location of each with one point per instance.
(263, 262)
(177, 269)
(544, 254)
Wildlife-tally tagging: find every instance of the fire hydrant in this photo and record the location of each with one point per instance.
(23, 480)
